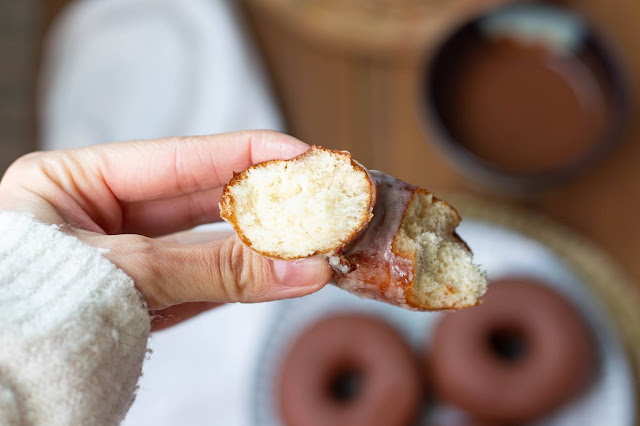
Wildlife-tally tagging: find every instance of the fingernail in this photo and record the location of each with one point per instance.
(298, 273)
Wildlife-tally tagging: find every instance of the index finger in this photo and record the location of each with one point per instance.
(165, 168)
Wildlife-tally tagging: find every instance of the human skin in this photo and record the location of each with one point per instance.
(136, 199)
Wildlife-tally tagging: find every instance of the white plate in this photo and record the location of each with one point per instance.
(609, 400)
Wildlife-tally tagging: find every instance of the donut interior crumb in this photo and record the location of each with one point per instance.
(446, 277)
(293, 209)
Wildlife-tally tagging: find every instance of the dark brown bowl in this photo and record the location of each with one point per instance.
(518, 112)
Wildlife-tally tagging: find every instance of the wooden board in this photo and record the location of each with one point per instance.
(19, 22)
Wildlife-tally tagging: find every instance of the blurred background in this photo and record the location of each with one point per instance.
(530, 104)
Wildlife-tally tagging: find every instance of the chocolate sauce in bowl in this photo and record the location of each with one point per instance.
(525, 97)
(524, 108)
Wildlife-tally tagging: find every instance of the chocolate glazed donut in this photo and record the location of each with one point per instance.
(349, 370)
(520, 355)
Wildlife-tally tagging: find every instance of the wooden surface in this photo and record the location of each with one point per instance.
(19, 21)
(23, 28)
(339, 95)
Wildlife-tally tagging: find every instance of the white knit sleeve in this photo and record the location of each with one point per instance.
(73, 329)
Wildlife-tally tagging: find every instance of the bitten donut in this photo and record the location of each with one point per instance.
(349, 370)
(385, 239)
(521, 354)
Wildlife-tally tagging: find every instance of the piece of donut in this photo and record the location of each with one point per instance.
(386, 239)
(349, 370)
(523, 353)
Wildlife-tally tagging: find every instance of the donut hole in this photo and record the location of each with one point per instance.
(345, 384)
(508, 344)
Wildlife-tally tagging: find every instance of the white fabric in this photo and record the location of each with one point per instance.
(202, 372)
(73, 329)
(141, 69)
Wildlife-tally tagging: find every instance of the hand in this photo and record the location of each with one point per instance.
(122, 196)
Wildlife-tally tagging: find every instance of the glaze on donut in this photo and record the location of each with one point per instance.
(349, 370)
(410, 255)
(523, 353)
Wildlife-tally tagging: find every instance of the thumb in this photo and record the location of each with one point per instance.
(222, 271)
